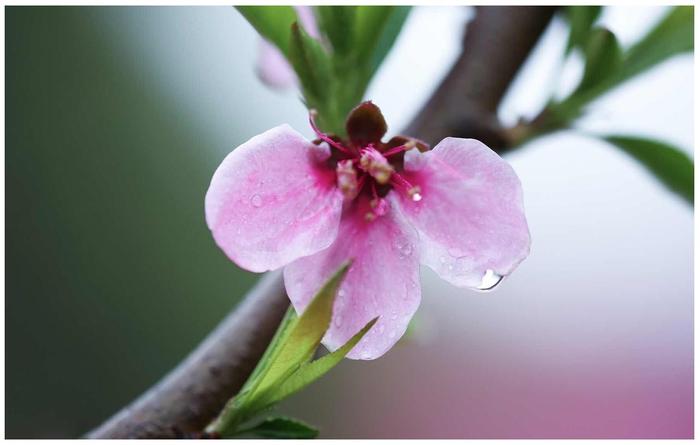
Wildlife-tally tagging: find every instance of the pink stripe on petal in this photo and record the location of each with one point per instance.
(272, 200)
(471, 218)
(382, 281)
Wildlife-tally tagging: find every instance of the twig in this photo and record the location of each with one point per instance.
(495, 45)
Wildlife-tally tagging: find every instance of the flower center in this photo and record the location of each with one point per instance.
(368, 170)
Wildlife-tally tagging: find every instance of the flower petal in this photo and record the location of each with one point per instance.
(382, 281)
(273, 200)
(471, 219)
(272, 68)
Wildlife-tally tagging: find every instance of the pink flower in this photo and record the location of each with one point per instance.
(272, 68)
(280, 200)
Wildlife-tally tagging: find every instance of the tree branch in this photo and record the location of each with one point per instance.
(495, 45)
(188, 398)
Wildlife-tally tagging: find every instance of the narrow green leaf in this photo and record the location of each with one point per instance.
(293, 345)
(377, 27)
(313, 67)
(281, 428)
(281, 336)
(304, 336)
(603, 58)
(673, 35)
(581, 19)
(337, 23)
(669, 164)
(271, 22)
(311, 372)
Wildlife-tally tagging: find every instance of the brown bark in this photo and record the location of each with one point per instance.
(495, 45)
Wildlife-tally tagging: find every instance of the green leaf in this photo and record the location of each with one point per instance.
(293, 345)
(272, 22)
(581, 19)
(313, 68)
(281, 336)
(306, 333)
(673, 35)
(337, 23)
(281, 428)
(377, 28)
(311, 372)
(603, 58)
(669, 164)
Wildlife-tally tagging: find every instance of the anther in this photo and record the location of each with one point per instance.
(347, 179)
(414, 193)
(376, 165)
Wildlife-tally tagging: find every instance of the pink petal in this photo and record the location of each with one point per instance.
(471, 219)
(272, 68)
(272, 200)
(382, 281)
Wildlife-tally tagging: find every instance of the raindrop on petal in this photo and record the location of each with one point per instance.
(490, 280)
(256, 200)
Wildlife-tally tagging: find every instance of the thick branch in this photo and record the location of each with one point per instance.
(496, 43)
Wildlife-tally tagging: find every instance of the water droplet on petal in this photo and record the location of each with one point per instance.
(490, 280)
(394, 315)
(338, 321)
(256, 200)
(392, 334)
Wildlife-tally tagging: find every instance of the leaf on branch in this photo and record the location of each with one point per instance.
(338, 25)
(272, 22)
(603, 58)
(311, 64)
(311, 372)
(304, 335)
(669, 164)
(673, 35)
(376, 30)
(294, 344)
(282, 428)
(581, 20)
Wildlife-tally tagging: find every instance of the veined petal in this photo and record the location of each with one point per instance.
(272, 200)
(382, 281)
(471, 220)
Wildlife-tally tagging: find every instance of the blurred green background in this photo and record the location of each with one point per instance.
(111, 272)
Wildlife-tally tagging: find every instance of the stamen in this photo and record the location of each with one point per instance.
(376, 165)
(400, 149)
(347, 179)
(324, 136)
(413, 191)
